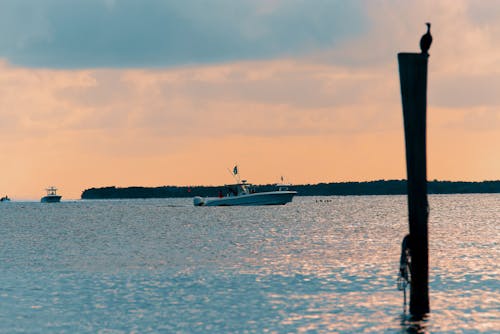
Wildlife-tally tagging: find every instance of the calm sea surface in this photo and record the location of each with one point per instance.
(317, 265)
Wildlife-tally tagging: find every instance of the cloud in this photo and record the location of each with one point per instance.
(466, 91)
(155, 33)
(275, 98)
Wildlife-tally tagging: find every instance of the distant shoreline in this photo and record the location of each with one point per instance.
(380, 187)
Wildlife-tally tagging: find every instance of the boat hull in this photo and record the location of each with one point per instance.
(265, 198)
(51, 199)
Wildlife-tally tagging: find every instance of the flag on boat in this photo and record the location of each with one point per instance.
(235, 170)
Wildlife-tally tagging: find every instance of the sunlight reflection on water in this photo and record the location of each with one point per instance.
(151, 266)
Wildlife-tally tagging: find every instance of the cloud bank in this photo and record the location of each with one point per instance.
(156, 33)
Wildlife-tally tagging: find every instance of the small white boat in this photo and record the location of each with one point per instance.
(244, 194)
(52, 196)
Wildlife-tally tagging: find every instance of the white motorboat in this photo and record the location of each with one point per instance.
(244, 194)
(52, 196)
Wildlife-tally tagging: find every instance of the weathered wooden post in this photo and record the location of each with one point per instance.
(413, 78)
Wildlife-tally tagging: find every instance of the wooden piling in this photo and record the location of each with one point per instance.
(413, 79)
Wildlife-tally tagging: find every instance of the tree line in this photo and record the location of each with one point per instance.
(380, 187)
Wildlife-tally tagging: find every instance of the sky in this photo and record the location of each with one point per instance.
(149, 93)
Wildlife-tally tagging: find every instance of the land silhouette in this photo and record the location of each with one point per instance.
(380, 187)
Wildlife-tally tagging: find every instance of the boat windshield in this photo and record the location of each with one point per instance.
(51, 191)
(282, 187)
(239, 189)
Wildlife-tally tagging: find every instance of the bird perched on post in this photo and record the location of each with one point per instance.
(426, 40)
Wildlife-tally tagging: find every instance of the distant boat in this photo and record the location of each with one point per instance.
(52, 196)
(244, 194)
(5, 199)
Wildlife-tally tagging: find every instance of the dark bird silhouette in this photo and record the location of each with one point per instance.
(426, 40)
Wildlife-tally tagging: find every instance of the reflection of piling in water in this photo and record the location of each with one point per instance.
(413, 77)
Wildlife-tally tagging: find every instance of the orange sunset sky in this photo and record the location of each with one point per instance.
(150, 93)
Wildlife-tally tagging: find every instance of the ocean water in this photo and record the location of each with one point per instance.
(316, 265)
